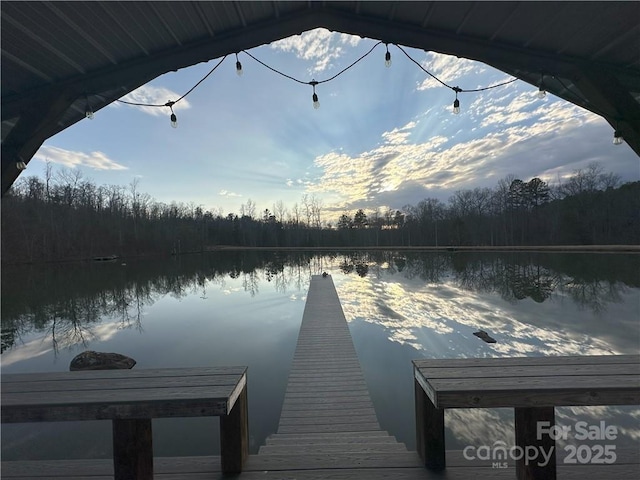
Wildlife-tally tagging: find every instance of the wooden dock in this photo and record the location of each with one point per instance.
(328, 419)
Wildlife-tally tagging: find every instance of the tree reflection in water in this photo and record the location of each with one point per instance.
(69, 302)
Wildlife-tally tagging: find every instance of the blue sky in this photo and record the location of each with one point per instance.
(383, 137)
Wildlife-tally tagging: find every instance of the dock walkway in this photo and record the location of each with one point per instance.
(328, 419)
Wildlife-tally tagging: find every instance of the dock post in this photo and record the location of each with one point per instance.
(526, 425)
(429, 430)
(132, 449)
(234, 435)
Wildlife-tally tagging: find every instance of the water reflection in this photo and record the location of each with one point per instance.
(245, 307)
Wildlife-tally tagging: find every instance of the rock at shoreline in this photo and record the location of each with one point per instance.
(484, 336)
(90, 360)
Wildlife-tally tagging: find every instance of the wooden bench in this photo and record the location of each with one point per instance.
(533, 386)
(130, 399)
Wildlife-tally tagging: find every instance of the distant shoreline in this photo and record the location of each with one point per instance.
(484, 248)
(452, 249)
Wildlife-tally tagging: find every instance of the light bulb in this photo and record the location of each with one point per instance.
(387, 59)
(88, 113)
(174, 120)
(617, 138)
(316, 103)
(21, 165)
(239, 68)
(456, 106)
(542, 92)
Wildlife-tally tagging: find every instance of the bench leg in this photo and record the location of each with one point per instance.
(526, 423)
(234, 436)
(429, 430)
(132, 450)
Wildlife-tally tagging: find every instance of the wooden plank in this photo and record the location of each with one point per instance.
(516, 371)
(110, 411)
(609, 382)
(329, 420)
(538, 398)
(338, 460)
(345, 441)
(354, 427)
(301, 404)
(336, 436)
(120, 374)
(331, 448)
(338, 412)
(119, 384)
(133, 395)
(528, 361)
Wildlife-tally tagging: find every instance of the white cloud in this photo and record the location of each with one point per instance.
(71, 159)
(227, 193)
(516, 135)
(319, 46)
(154, 96)
(449, 69)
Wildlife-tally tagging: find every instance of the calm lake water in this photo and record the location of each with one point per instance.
(245, 308)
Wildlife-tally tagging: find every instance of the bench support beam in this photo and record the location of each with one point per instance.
(429, 430)
(526, 425)
(132, 449)
(234, 435)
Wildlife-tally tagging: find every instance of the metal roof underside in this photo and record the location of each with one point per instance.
(55, 53)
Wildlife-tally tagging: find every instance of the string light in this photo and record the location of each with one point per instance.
(541, 90)
(617, 136)
(456, 102)
(88, 111)
(238, 66)
(20, 165)
(173, 118)
(314, 97)
(316, 103)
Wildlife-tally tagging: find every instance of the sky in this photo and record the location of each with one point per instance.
(382, 137)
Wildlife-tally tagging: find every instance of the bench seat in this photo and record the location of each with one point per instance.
(131, 399)
(533, 386)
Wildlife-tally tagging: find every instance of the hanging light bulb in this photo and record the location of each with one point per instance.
(541, 90)
(20, 165)
(314, 97)
(88, 111)
(456, 102)
(238, 66)
(387, 57)
(174, 119)
(617, 138)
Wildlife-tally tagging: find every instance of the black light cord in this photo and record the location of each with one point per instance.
(172, 103)
(313, 82)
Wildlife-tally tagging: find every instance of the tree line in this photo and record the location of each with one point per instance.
(64, 216)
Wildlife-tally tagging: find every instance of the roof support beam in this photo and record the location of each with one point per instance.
(152, 66)
(33, 128)
(613, 102)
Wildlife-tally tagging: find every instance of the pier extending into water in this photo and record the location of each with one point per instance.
(328, 420)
